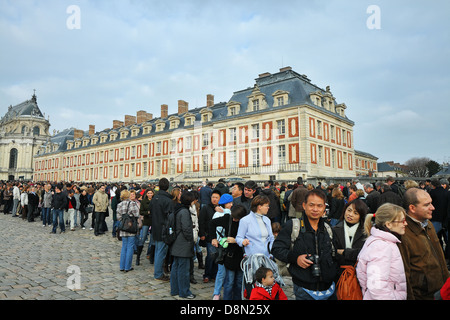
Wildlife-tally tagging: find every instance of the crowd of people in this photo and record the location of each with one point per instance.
(394, 234)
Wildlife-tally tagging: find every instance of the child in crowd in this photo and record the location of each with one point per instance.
(225, 202)
(265, 286)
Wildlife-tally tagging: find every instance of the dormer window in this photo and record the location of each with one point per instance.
(134, 131)
(160, 125)
(113, 136)
(257, 100)
(189, 119)
(94, 140)
(174, 122)
(280, 98)
(123, 133)
(316, 98)
(103, 138)
(206, 114)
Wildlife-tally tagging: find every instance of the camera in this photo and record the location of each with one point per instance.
(223, 243)
(315, 267)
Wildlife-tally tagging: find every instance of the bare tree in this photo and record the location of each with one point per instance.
(417, 167)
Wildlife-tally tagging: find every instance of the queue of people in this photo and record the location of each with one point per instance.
(396, 246)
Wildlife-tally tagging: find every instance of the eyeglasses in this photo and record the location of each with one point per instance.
(400, 221)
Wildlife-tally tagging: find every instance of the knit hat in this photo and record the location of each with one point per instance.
(225, 198)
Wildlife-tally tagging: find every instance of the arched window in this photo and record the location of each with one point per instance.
(13, 158)
(24, 129)
(36, 131)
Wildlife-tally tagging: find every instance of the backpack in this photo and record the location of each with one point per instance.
(169, 234)
(348, 287)
(401, 190)
(283, 266)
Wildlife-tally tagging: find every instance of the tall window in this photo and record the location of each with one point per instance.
(13, 158)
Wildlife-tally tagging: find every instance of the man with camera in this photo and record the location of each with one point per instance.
(311, 257)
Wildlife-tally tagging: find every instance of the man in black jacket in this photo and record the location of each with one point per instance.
(160, 207)
(312, 264)
(205, 216)
(59, 202)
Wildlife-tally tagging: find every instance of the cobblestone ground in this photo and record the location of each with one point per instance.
(36, 265)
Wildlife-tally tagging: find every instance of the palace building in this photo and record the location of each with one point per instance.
(281, 128)
(23, 129)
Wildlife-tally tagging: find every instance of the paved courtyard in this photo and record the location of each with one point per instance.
(76, 265)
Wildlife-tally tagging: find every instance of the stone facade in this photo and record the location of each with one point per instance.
(23, 129)
(281, 128)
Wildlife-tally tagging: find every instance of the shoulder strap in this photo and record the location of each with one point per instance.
(295, 229)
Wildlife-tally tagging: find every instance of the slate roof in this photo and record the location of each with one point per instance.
(26, 108)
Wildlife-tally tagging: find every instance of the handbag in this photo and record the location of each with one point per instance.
(221, 251)
(129, 223)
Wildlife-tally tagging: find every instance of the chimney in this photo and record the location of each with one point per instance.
(265, 74)
(285, 69)
(129, 120)
(183, 107)
(164, 111)
(141, 116)
(149, 116)
(78, 134)
(117, 124)
(91, 129)
(209, 100)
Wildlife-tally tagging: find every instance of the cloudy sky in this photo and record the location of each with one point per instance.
(92, 62)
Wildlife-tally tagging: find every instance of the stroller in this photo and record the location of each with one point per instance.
(249, 265)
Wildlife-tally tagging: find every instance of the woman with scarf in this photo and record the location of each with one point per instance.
(348, 234)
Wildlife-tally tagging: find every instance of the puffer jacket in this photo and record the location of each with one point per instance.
(380, 268)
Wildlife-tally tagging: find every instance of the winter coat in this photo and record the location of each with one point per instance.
(380, 268)
(336, 208)
(391, 197)
(249, 228)
(244, 201)
(204, 217)
(234, 253)
(372, 200)
(145, 211)
(127, 207)
(100, 201)
(184, 243)
(439, 197)
(274, 207)
(47, 202)
(306, 243)
(425, 267)
(160, 207)
(259, 293)
(349, 256)
(59, 201)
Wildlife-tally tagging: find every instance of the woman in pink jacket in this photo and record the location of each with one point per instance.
(380, 269)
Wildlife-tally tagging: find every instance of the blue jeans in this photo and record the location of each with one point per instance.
(126, 254)
(179, 277)
(47, 216)
(232, 287)
(210, 265)
(15, 204)
(58, 214)
(143, 235)
(160, 255)
(220, 279)
(301, 294)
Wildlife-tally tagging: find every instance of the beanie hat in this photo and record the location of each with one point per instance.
(225, 198)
